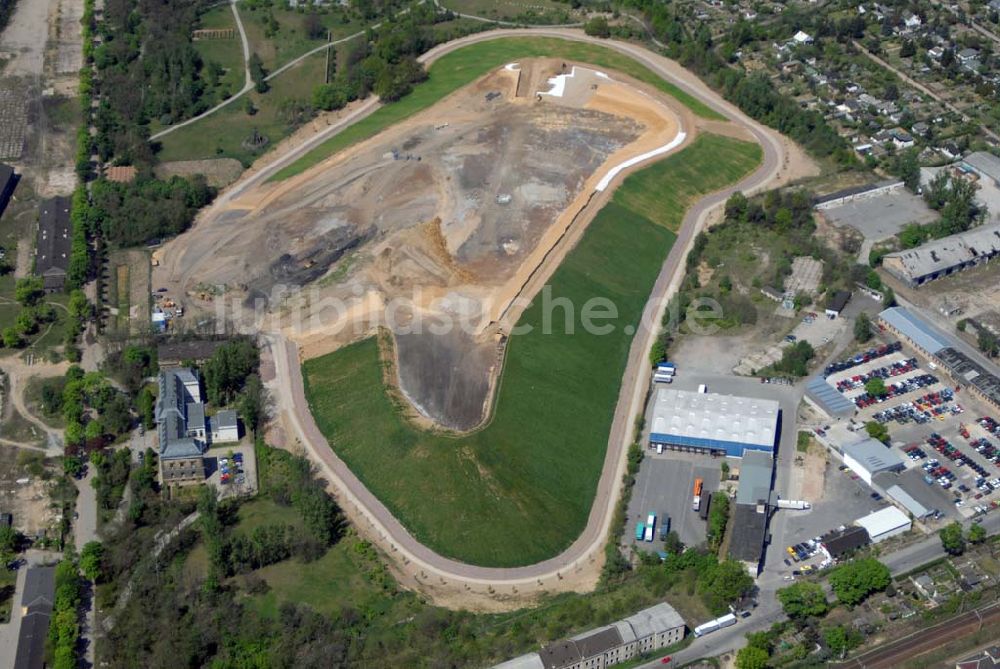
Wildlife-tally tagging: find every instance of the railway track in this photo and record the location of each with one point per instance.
(925, 640)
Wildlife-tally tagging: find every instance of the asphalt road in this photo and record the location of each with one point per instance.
(588, 547)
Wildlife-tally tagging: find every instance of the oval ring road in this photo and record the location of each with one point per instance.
(587, 549)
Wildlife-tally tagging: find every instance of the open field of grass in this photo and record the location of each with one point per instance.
(291, 40)
(520, 490)
(222, 133)
(467, 64)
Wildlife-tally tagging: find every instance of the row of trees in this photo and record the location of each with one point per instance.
(64, 629)
(718, 517)
(954, 537)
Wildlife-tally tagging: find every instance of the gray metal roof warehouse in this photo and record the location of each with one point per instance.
(710, 421)
(828, 399)
(903, 322)
(900, 495)
(873, 455)
(941, 257)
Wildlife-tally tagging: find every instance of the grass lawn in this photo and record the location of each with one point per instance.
(329, 584)
(222, 133)
(291, 40)
(520, 490)
(227, 53)
(259, 512)
(467, 64)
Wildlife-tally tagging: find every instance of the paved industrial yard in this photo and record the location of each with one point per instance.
(881, 216)
(664, 485)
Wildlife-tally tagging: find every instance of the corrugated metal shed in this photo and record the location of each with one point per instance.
(909, 503)
(826, 397)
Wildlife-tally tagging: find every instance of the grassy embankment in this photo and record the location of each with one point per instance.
(465, 65)
(520, 490)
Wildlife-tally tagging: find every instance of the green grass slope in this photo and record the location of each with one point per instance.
(520, 490)
(465, 65)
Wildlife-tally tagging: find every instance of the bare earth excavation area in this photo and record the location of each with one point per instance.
(438, 221)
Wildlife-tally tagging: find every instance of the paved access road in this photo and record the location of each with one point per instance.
(586, 552)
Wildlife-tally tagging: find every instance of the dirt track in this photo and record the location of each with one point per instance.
(451, 583)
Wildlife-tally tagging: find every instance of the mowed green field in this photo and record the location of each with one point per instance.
(465, 65)
(520, 490)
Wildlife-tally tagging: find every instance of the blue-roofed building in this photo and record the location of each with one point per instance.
(713, 423)
(828, 399)
(917, 332)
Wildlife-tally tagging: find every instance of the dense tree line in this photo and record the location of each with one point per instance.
(718, 517)
(387, 64)
(129, 214)
(93, 409)
(113, 470)
(64, 627)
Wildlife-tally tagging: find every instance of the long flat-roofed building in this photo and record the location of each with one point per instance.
(648, 630)
(709, 422)
(979, 376)
(53, 245)
(940, 257)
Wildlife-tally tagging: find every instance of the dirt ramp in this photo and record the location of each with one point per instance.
(446, 376)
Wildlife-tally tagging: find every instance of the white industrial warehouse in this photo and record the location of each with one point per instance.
(869, 457)
(885, 523)
(710, 422)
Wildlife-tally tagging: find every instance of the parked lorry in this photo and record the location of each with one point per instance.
(796, 504)
(727, 620)
(705, 504)
(664, 527)
(696, 499)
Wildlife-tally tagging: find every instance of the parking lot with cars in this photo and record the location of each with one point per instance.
(939, 430)
(845, 499)
(232, 470)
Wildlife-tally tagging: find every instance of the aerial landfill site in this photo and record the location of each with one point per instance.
(447, 215)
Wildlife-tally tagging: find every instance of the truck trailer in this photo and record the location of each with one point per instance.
(713, 625)
(705, 504)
